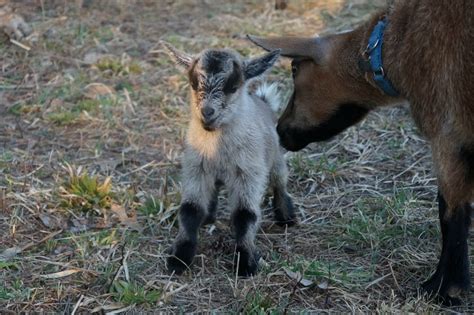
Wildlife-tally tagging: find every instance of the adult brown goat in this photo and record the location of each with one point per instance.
(416, 50)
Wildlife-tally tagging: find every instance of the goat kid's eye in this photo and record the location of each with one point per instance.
(232, 90)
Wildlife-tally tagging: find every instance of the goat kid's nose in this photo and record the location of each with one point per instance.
(207, 112)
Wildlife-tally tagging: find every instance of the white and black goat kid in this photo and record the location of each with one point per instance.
(231, 140)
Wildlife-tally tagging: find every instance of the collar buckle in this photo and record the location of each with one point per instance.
(371, 47)
(374, 63)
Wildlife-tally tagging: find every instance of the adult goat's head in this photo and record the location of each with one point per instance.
(330, 91)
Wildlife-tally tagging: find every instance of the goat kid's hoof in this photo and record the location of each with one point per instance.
(182, 257)
(248, 262)
(445, 292)
(280, 220)
(210, 219)
(284, 211)
(176, 265)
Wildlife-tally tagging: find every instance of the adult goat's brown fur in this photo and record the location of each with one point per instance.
(428, 55)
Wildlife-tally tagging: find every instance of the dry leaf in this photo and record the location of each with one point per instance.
(51, 222)
(298, 277)
(124, 218)
(61, 274)
(108, 307)
(9, 253)
(46, 219)
(98, 90)
(93, 57)
(323, 285)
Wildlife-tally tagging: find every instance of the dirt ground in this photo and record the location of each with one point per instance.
(92, 124)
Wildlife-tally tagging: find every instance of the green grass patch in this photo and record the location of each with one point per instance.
(63, 117)
(381, 224)
(107, 237)
(86, 193)
(130, 293)
(336, 272)
(23, 109)
(15, 291)
(151, 207)
(260, 304)
(69, 116)
(301, 165)
(116, 67)
(8, 265)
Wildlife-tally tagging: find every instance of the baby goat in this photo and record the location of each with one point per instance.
(231, 140)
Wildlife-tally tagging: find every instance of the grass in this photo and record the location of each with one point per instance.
(94, 236)
(336, 273)
(134, 294)
(259, 304)
(86, 193)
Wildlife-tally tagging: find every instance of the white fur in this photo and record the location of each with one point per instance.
(269, 93)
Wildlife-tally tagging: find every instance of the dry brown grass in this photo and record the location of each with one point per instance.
(368, 232)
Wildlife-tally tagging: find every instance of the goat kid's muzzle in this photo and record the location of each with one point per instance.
(208, 118)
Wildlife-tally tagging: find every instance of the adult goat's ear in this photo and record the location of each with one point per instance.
(294, 47)
(179, 57)
(256, 66)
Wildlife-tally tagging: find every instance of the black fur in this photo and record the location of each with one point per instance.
(214, 62)
(283, 209)
(467, 157)
(193, 77)
(191, 216)
(295, 139)
(182, 257)
(257, 66)
(248, 261)
(241, 221)
(234, 80)
(453, 266)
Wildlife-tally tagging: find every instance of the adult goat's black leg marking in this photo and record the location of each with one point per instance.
(283, 208)
(184, 248)
(467, 158)
(452, 272)
(244, 222)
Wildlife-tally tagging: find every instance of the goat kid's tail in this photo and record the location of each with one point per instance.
(268, 92)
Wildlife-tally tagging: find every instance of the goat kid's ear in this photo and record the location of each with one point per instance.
(181, 58)
(256, 66)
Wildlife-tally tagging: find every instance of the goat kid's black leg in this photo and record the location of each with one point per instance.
(452, 273)
(283, 208)
(184, 248)
(244, 222)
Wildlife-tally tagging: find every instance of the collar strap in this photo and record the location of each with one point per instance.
(374, 62)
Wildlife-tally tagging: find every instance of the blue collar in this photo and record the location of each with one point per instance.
(374, 63)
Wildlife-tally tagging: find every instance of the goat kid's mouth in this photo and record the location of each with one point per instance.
(210, 124)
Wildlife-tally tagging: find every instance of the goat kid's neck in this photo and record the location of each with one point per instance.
(206, 143)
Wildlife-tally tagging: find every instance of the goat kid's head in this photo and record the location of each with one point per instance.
(217, 79)
(330, 91)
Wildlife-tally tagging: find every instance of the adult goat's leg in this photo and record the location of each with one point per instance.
(456, 192)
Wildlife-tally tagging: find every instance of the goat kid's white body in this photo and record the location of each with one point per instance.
(242, 153)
